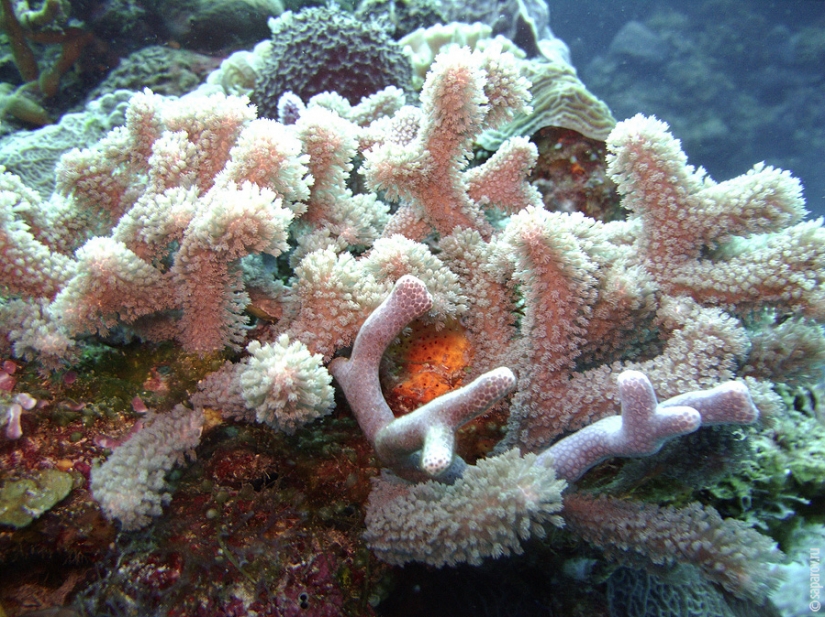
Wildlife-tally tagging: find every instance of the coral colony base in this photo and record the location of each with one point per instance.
(172, 226)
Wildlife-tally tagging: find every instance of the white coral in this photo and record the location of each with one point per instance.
(131, 485)
(486, 513)
(285, 384)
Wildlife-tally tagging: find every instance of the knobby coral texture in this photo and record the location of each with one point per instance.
(599, 339)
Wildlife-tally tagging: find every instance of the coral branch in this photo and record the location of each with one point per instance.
(424, 440)
(645, 424)
(739, 244)
(131, 484)
(432, 428)
(727, 551)
(486, 513)
(465, 92)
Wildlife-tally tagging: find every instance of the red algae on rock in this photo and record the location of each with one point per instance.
(571, 174)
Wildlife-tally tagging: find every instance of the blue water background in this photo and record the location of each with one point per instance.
(739, 82)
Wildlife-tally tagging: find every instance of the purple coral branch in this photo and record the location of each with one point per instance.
(727, 403)
(420, 445)
(644, 424)
(426, 437)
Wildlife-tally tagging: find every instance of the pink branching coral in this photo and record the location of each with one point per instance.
(464, 93)
(448, 512)
(163, 227)
(423, 441)
(738, 244)
(131, 485)
(727, 551)
(645, 424)
(159, 215)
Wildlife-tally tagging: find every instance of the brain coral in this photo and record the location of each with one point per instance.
(403, 16)
(324, 49)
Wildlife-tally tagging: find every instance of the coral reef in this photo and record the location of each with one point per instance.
(252, 250)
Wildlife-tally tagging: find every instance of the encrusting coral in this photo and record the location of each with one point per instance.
(166, 226)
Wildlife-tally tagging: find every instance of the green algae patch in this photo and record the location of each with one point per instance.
(22, 501)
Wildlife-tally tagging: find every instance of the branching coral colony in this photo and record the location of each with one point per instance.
(161, 229)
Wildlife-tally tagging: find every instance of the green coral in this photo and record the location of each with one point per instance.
(22, 501)
(786, 469)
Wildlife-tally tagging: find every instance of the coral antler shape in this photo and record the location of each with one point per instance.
(645, 425)
(420, 445)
